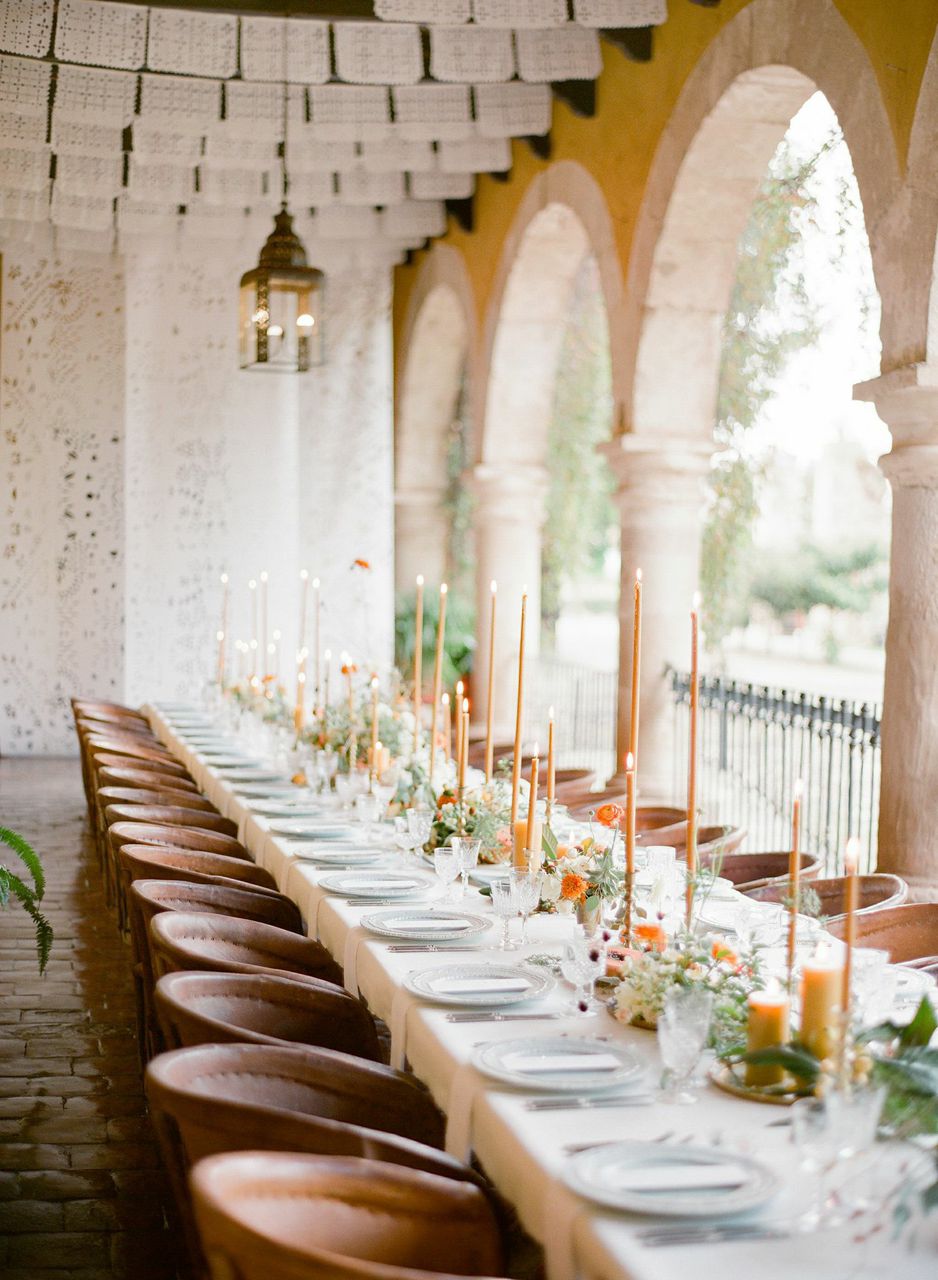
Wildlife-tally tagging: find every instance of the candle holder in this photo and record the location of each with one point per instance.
(627, 916)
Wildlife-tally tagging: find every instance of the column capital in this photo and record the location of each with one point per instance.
(500, 487)
(906, 399)
(657, 468)
(911, 466)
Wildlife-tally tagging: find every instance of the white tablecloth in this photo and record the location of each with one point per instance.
(521, 1151)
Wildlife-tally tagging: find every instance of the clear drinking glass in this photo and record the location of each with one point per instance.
(366, 811)
(683, 1025)
(420, 825)
(467, 856)
(816, 1132)
(505, 907)
(527, 886)
(446, 866)
(581, 962)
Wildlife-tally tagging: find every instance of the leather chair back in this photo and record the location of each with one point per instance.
(169, 862)
(171, 815)
(104, 759)
(224, 944)
(907, 932)
(161, 796)
(295, 1217)
(149, 897)
(265, 1007)
(754, 870)
(875, 893)
(146, 780)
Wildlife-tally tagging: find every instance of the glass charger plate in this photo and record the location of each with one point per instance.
(372, 885)
(447, 926)
(603, 1174)
(505, 1060)
(526, 984)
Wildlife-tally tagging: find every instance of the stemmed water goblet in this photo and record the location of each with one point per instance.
(446, 866)
(467, 857)
(527, 886)
(683, 1026)
(419, 824)
(366, 811)
(581, 964)
(505, 907)
(829, 1129)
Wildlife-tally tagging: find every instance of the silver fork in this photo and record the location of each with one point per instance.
(574, 1148)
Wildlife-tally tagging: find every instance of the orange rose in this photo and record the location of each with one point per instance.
(720, 951)
(573, 887)
(610, 815)
(653, 935)
(562, 851)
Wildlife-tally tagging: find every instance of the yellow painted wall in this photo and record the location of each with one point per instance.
(634, 103)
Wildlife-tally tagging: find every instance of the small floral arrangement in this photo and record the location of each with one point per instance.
(485, 814)
(580, 875)
(649, 972)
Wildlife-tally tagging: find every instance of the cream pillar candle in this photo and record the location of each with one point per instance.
(821, 986)
(768, 1025)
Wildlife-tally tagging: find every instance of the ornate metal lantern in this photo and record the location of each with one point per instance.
(281, 305)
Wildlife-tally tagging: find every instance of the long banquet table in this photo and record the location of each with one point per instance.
(522, 1151)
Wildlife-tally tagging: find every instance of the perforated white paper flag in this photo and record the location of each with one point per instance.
(233, 151)
(359, 187)
(147, 181)
(210, 222)
(478, 155)
(426, 12)
(26, 26)
(26, 132)
(344, 112)
(25, 206)
(24, 86)
(154, 143)
(180, 104)
(103, 97)
(442, 186)
(92, 176)
(471, 55)
(414, 219)
(620, 13)
(75, 211)
(101, 33)
(343, 223)
(81, 138)
(71, 239)
(431, 111)
(311, 188)
(147, 218)
(306, 154)
(369, 53)
(520, 13)
(24, 170)
(568, 53)
(397, 153)
(513, 110)
(194, 44)
(303, 47)
(231, 186)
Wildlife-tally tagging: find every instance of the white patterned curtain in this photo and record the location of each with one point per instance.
(620, 13)
(433, 111)
(426, 12)
(159, 180)
(180, 104)
(414, 220)
(24, 170)
(397, 153)
(442, 186)
(101, 97)
(90, 176)
(478, 155)
(343, 223)
(520, 13)
(360, 187)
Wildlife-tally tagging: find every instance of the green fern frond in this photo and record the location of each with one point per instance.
(11, 884)
(28, 855)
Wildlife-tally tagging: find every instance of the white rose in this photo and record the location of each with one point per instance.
(550, 890)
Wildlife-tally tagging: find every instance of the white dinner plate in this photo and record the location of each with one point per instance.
(486, 873)
(420, 926)
(280, 789)
(236, 776)
(286, 808)
(479, 984)
(375, 884)
(228, 763)
(558, 1064)
(304, 829)
(670, 1179)
(342, 856)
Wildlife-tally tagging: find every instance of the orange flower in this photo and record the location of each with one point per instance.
(360, 564)
(349, 668)
(610, 815)
(573, 887)
(653, 935)
(720, 951)
(562, 851)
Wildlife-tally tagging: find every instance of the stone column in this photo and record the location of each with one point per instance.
(421, 530)
(509, 516)
(660, 499)
(907, 401)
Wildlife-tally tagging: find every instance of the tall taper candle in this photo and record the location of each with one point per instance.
(264, 622)
(851, 898)
(437, 677)
(794, 881)
(490, 696)
(223, 632)
(532, 814)
(519, 710)
(300, 692)
(447, 727)
(692, 761)
(629, 843)
(317, 639)
(636, 667)
(418, 661)
(464, 739)
(551, 765)
(252, 588)
(457, 712)
(374, 726)
(304, 593)
(327, 659)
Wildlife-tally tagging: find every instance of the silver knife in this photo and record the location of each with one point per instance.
(402, 946)
(502, 1017)
(711, 1235)
(588, 1104)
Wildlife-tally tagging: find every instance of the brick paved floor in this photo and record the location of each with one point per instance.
(81, 1192)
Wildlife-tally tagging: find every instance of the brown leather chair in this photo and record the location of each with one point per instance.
(266, 1007)
(756, 870)
(232, 1097)
(715, 844)
(221, 944)
(569, 782)
(173, 816)
(180, 835)
(876, 892)
(146, 780)
(103, 759)
(908, 932)
(148, 898)
(264, 1216)
(95, 707)
(161, 797)
(170, 862)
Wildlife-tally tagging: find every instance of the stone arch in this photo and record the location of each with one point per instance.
(916, 225)
(731, 114)
(434, 363)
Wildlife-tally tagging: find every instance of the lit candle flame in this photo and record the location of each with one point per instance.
(493, 587)
(638, 575)
(550, 713)
(304, 574)
(629, 762)
(419, 579)
(852, 856)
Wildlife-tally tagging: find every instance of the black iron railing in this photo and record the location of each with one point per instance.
(756, 742)
(584, 701)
